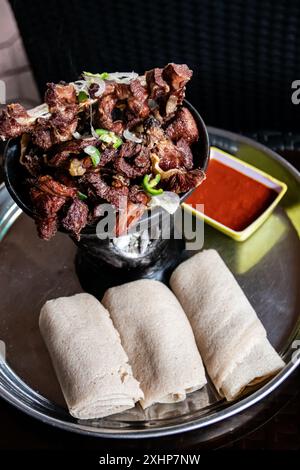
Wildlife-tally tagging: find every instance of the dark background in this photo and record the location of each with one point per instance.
(245, 55)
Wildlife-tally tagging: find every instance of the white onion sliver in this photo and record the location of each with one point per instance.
(122, 77)
(40, 111)
(100, 91)
(167, 200)
(132, 137)
(80, 85)
(76, 135)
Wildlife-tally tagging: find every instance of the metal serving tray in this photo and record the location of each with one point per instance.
(267, 266)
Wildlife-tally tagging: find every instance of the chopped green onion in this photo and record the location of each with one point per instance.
(82, 96)
(103, 75)
(109, 137)
(81, 196)
(101, 131)
(118, 143)
(94, 153)
(148, 185)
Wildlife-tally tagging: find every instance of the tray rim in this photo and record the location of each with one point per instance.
(197, 423)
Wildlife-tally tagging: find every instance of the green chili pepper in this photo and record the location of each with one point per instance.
(81, 196)
(101, 131)
(82, 96)
(149, 185)
(109, 137)
(118, 143)
(94, 153)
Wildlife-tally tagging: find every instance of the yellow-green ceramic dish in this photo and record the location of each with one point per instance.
(278, 186)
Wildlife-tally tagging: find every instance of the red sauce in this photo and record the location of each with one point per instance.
(230, 197)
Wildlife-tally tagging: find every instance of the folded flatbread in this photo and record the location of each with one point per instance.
(158, 339)
(89, 360)
(231, 339)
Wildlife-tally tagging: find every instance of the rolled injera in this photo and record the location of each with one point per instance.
(89, 360)
(231, 339)
(158, 339)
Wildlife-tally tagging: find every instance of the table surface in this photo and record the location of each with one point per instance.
(277, 425)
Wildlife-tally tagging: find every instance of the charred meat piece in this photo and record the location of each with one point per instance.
(76, 218)
(167, 87)
(62, 123)
(138, 101)
(97, 189)
(184, 126)
(143, 158)
(131, 170)
(186, 152)
(46, 205)
(59, 96)
(105, 120)
(177, 76)
(50, 186)
(14, 121)
(65, 150)
(46, 227)
(169, 155)
(107, 156)
(42, 135)
(129, 149)
(158, 87)
(183, 180)
(137, 195)
(62, 102)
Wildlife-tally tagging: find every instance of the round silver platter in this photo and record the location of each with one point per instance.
(267, 266)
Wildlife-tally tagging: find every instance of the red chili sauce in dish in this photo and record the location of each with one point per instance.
(230, 197)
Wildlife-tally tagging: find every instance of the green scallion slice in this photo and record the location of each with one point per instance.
(81, 196)
(94, 153)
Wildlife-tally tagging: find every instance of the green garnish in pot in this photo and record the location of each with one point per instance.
(149, 184)
(82, 96)
(118, 143)
(101, 131)
(81, 196)
(103, 75)
(109, 137)
(94, 153)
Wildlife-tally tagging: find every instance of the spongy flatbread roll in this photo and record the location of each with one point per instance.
(89, 360)
(231, 339)
(158, 339)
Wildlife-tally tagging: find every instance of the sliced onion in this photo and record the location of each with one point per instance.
(101, 89)
(41, 111)
(76, 135)
(80, 85)
(123, 77)
(167, 200)
(132, 137)
(83, 85)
